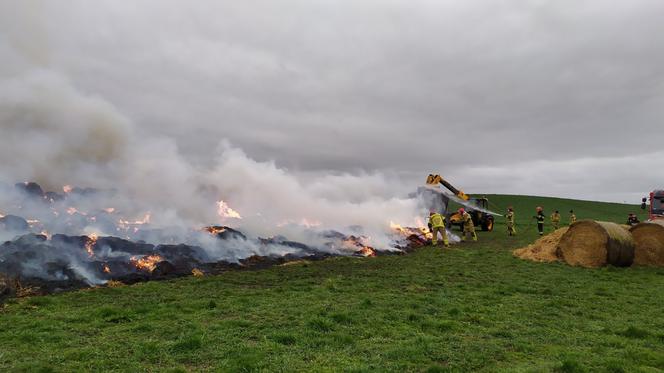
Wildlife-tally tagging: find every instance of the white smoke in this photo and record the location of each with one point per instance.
(55, 134)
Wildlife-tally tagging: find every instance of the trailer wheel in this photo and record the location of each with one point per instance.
(487, 226)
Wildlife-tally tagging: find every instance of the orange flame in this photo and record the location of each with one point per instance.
(215, 229)
(303, 222)
(89, 245)
(367, 252)
(67, 189)
(106, 269)
(147, 263)
(224, 211)
(74, 210)
(421, 230)
(145, 220)
(126, 225)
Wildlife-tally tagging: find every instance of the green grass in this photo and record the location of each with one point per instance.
(472, 307)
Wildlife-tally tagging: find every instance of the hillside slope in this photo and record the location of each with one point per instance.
(472, 307)
(524, 207)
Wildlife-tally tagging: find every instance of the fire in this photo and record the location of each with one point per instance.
(303, 222)
(89, 245)
(145, 220)
(147, 263)
(67, 189)
(215, 229)
(366, 252)
(226, 211)
(106, 268)
(421, 230)
(127, 225)
(109, 210)
(359, 242)
(2, 215)
(395, 227)
(35, 224)
(45, 233)
(73, 210)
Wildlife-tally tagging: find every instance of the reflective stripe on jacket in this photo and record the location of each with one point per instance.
(437, 220)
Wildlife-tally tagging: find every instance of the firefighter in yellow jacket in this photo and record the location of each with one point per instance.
(468, 226)
(555, 219)
(511, 229)
(437, 224)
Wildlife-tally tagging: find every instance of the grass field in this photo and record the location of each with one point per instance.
(472, 307)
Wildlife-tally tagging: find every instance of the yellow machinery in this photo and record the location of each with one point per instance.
(480, 218)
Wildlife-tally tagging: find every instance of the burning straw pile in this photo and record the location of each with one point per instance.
(34, 261)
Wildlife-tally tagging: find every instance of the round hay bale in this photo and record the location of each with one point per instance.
(589, 243)
(649, 240)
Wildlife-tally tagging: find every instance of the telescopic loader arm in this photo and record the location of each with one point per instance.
(437, 179)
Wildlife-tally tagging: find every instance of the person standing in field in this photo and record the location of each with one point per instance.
(572, 217)
(468, 226)
(632, 219)
(540, 220)
(436, 225)
(555, 219)
(511, 229)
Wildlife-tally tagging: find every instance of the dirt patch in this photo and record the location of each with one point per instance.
(649, 239)
(542, 250)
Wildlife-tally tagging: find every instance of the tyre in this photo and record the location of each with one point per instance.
(487, 225)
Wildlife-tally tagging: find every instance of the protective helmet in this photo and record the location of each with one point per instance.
(461, 210)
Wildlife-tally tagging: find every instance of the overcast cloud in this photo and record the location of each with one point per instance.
(560, 97)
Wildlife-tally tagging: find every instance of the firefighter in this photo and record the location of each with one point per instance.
(572, 217)
(555, 219)
(632, 219)
(437, 224)
(468, 226)
(511, 229)
(540, 220)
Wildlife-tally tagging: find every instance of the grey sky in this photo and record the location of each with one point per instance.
(534, 97)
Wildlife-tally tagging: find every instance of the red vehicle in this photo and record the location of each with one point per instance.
(656, 206)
